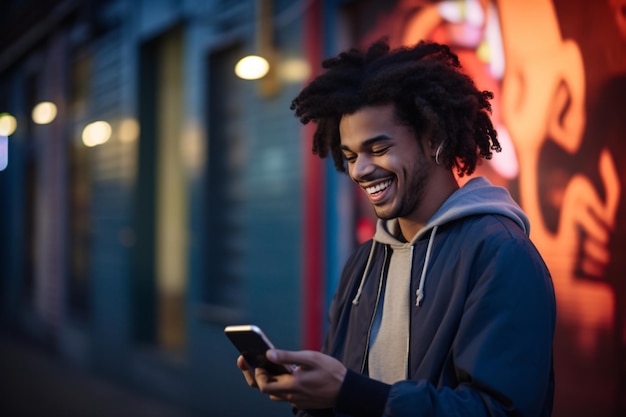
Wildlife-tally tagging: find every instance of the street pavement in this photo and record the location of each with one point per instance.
(34, 382)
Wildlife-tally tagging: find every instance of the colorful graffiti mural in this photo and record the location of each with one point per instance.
(558, 72)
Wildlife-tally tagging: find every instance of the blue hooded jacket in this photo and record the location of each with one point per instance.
(482, 321)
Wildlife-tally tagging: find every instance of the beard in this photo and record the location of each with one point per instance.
(410, 197)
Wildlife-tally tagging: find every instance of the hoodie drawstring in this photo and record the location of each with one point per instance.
(419, 294)
(357, 297)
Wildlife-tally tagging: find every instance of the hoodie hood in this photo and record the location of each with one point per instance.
(477, 196)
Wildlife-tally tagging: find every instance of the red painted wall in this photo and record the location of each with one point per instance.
(558, 71)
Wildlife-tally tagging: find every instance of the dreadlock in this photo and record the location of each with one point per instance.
(429, 92)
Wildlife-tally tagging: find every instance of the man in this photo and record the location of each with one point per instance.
(449, 310)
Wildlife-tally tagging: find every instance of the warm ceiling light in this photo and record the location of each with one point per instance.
(8, 124)
(44, 113)
(96, 133)
(252, 67)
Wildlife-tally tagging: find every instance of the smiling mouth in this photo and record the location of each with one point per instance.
(378, 188)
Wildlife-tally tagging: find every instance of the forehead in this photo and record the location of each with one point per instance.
(367, 123)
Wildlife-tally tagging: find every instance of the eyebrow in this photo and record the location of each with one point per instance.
(370, 142)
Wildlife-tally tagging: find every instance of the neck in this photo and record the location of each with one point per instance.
(440, 187)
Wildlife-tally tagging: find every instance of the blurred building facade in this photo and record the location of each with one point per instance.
(129, 246)
(155, 197)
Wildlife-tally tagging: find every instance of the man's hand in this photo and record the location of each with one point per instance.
(314, 382)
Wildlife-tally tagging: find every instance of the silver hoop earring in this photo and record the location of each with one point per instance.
(437, 154)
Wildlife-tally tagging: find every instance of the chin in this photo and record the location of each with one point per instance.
(384, 214)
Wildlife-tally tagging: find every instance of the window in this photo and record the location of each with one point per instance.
(79, 194)
(225, 187)
(161, 218)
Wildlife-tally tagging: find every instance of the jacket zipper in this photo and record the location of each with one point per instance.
(369, 330)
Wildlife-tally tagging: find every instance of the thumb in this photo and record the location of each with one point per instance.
(288, 357)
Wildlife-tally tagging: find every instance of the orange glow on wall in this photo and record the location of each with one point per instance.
(560, 159)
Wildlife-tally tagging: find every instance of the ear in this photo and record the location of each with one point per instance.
(426, 138)
(433, 148)
(432, 144)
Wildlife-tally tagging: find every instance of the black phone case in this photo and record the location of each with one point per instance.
(253, 348)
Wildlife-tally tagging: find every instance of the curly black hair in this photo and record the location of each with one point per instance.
(429, 91)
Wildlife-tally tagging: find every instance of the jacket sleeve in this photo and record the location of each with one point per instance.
(501, 355)
(326, 412)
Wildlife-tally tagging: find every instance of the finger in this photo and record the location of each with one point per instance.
(242, 364)
(265, 378)
(288, 357)
(278, 398)
(247, 371)
(269, 385)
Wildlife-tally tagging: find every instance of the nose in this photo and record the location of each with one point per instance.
(361, 168)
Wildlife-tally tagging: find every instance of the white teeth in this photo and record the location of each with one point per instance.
(379, 187)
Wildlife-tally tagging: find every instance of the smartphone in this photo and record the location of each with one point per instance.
(252, 343)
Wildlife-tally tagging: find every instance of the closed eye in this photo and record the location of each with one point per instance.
(380, 151)
(349, 157)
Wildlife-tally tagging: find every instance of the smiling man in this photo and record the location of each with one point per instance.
(449, 310)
